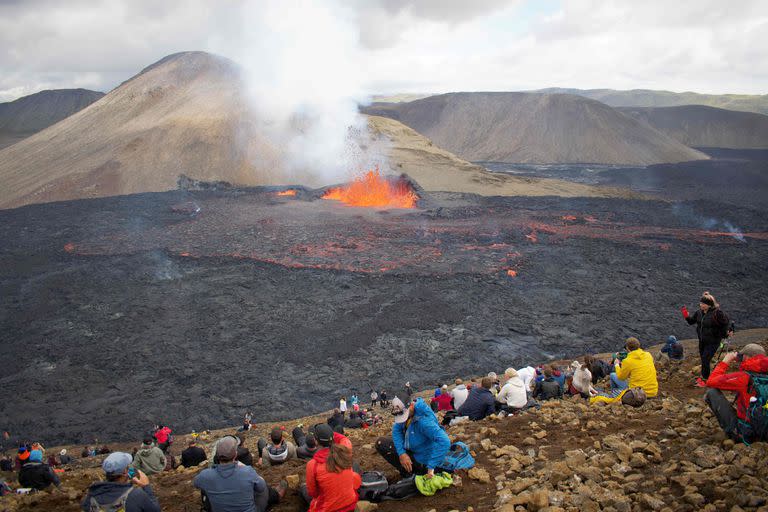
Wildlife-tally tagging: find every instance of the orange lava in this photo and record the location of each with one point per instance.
(287, 193)
(512, 273)
(70, 247)
(569, 218)
(372, 190)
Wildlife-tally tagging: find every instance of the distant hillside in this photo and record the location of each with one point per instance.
(701, 126)
(25, 116)
(650, 98)
(535, 128)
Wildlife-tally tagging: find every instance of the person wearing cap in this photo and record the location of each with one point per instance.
(331, 483)
(751, 359)
(193, 455)
(712, 326)
(22, 457)
(512, 397)
(35, 474)
(231, 486)
(149, 458)
(459, 393)
(480, 402)
(135, 493)
(64, 458)
(306, 443)
(418, 444)
(278, 451)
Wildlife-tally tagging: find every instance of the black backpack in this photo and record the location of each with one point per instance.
(402, 490)
(374, 484)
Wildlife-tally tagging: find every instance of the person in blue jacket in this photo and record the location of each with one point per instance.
(480, 402)
(418, 444)
(673, 348)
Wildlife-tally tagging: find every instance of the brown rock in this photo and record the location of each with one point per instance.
(366, 506)
(480, 474)
(293, 481)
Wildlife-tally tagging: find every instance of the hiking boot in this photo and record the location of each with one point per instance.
(282, 488)
(700, 383)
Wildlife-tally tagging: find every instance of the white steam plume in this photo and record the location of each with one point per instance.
(304, 71)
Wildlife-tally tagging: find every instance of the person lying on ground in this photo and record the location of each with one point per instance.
(738, 423)
(37, 475)
(193, 455)
(149, 458)
(513, 397)
(331, 483)
(548, 388)
(459, 394)
(336, 421)
(480, 402)
(232, 486)
(712, 327)
(582, 380)
(673, 349)
(418, 444)
(278, 451)
(118, 488)
(444, 400)
(636, 370)
(306, 444)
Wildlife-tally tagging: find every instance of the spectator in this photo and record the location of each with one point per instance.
(163, 437)
(418, 444)
(35, 474)
(444, 400)
(343, 405)
(149, 458)
(548, 388)
(558, 375)
(673, 349)
(278, 451)
(637, 370)
(355, 420)
(22, 457)
(243, 453)
(582, 380)
(527, 375)
(118, 488)
(193, 455)
(374, 398)
(306, 444)
(336, 421)
(459, 394)
(64, 458)
(598, 368)
(232, 486)
(408, 392)
(480, 402)
(331, 483)
(383, 400)
(736, 422)
(712, 326)
(512, 397)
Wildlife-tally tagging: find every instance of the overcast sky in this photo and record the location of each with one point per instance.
(710, 46)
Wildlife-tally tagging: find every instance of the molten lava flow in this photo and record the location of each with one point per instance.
(512, 273)
(69, 247)
(290, 192)
(374, 191)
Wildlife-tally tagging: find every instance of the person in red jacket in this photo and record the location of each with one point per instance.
(753, 360)
(444, 399)
(163, 437)
(331, 483)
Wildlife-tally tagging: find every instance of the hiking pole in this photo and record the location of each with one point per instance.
(724, 345)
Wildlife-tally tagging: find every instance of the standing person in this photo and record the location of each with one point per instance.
(118, 488)
(459, 393)
(408, 392)
(37, 475)
(193, 455)
(712, 327)
(149, 458)
(331, 483)
(418, 444)
(343, 405)
(383, 401)
(233, 486)
(374, 398)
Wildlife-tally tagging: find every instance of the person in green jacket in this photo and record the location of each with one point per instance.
(150, 459)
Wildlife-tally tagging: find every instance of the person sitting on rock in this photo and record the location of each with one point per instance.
(118, 488)
(513, 397)
(278, 451)
(736, 422)
(193, 455)
(149, 458)
(306, 444)
(597, 367)
(231, 485)
(418, 444)
(582, 380)
(164, 438)
(673, 349)
(548, 388)
(444, 400)
(354, 421)
(64, 458)
(480, 402)
(559, 376)
(459, 393)
(37, 475)
(336, 421)
(331, 483)
(243, 453)
(637, 370)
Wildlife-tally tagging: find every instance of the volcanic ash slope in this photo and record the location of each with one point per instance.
(536, 128)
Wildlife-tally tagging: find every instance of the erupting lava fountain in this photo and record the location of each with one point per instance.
(373, 190)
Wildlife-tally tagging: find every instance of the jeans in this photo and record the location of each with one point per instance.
(723, 411)
(707, 352)
(616, 383)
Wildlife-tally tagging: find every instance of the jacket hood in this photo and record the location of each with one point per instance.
(460, 387)
(145, 452)
(226, 470)
(421, 409)
(108, 490)
(516, 382)
(756, 364)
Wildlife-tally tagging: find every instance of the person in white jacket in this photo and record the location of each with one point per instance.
(513, 396)
(459, 394)
(527, 375)
(582, 380)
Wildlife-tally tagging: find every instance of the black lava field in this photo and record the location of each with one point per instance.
(191, 307)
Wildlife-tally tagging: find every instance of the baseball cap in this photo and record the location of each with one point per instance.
(116, 462)
(751, 349)
(324, 434)
(399, 411)
(226, 447)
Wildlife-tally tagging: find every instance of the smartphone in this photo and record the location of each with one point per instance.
(132, 472)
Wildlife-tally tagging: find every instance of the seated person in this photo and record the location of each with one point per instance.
(336, 421)
(673, 349)
(243, 453)
(278, 451)
(513, 397)
(37, 475)
(118, 483)
(355, 420)
(193, 455)
(582, 380)
(444, 400)
(480, 402)
(637, 370)
(558, 375)
(598, 368)
(548, 388)
(64, 458)
(459, 394)
(306, 444)
(149, 458)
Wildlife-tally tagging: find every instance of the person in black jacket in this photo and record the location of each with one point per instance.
(336, 421)
(306, 444)
(480, 402)
(548, 388)
(712, 326)
(119, 487)
(35, 474)
(193, 455)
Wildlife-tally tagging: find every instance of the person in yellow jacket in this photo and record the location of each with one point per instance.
(637, 370)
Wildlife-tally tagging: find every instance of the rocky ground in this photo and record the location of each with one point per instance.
(667, 455)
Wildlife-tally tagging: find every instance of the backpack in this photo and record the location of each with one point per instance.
(755, 428)
(458, 458)
(634, 397)
(5, 488)
(373, 485)
(116, 506)
(402, 490)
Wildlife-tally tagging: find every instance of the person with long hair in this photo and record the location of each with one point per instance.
(332, 484)
(712, 327)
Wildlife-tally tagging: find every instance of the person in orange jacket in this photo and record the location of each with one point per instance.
(331, 483)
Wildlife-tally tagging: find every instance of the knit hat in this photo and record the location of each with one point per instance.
(324, 434)
(708, 300)
(116, 463)
(63, 451)
(751, 349)
(672, 339)
(226, 447)
(148, 440)
(35, 456)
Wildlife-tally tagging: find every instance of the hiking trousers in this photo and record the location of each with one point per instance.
(723, 411)
(707, 352)
(386, 448)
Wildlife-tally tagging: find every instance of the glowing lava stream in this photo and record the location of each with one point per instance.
(372, 190)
